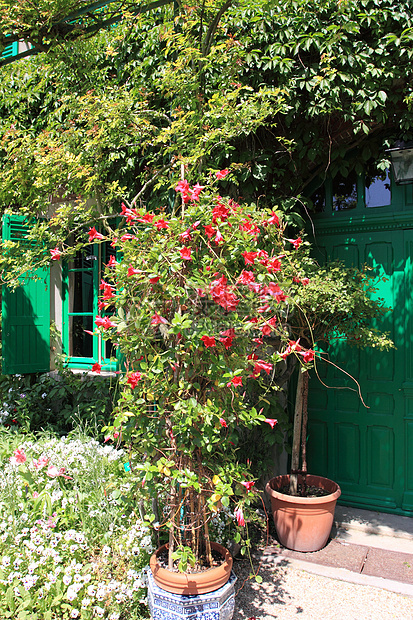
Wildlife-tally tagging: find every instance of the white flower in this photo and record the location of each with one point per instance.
(106, 550)
(74, 613)
(5, 560)
(91, 590)
(67, 579)
(72, 592)
(86, 602)
(99, 611)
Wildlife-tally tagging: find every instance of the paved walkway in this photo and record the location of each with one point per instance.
(364, 573)
(366, 547)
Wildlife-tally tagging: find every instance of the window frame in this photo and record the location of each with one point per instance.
(98, 343)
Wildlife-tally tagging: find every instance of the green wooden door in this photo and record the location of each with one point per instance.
(25, 314)
(368, 449)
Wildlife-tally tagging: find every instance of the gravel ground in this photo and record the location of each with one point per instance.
(287, 592)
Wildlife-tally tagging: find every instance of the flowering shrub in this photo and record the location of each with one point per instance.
(202, 299)
(70, 546)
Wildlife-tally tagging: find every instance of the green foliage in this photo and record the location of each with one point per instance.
(69, 546)
(57, 403)
(285, 93)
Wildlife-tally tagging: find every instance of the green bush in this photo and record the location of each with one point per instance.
(57, 403)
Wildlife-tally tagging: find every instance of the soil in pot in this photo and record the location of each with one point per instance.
(305, 491)
(202, 565)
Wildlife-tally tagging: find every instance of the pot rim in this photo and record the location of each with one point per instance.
(319, 481)
(223, 551)
(199, 582)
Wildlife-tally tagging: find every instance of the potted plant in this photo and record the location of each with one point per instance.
(336, 305)
(194, 307)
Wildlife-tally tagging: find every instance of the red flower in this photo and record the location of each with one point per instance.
(96, 368)
(132, 271)
(218, 238)
(248, 485)
(127, 237)
(130, 214)
(266, 330)
(229, 332)
(155, 279)
(147, 218)
(112, 262)
(275, 291)
(105, 322)
(246, 277)
(223, 423)
(185, 253)
(220, 211)
(308, 356)
(292, 346)
(221, 174)
(273, 265)
(94, 234)
(210, 231)
(271, 422)
(235, 381)
(239, 515)
(56, 255)
(249, 257)
(108, 292)
(209, 341)
(227, 342)
(133, 379)
(182, 186)
(157, 320)
(261, 365)
(195, 191)
(185, 236)
(222, 295)
(296, 242)
(273, 219)
(161, 224)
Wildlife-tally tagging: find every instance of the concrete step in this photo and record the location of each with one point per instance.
(373, 529)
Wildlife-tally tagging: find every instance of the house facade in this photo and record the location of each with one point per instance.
(361, 423)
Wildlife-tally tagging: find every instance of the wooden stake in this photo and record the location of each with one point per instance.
(298, 414)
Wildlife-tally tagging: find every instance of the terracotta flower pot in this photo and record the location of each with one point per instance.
(192, 583)
(303, 523)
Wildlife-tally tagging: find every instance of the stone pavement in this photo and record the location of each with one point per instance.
(366, 547)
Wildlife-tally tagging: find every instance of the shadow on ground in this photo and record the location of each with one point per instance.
(251, 599)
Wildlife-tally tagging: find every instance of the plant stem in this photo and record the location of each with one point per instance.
(206, 532)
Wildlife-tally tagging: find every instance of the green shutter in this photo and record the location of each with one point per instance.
(12, 49)
(25, 314)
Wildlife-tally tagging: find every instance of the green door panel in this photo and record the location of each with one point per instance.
(366, 444)
(25, 315)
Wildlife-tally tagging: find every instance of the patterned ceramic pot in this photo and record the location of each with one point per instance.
(217, 605)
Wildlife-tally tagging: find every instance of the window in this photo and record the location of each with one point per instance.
(377, 189)
(357, 192)
(345, 192)
(80, 292)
